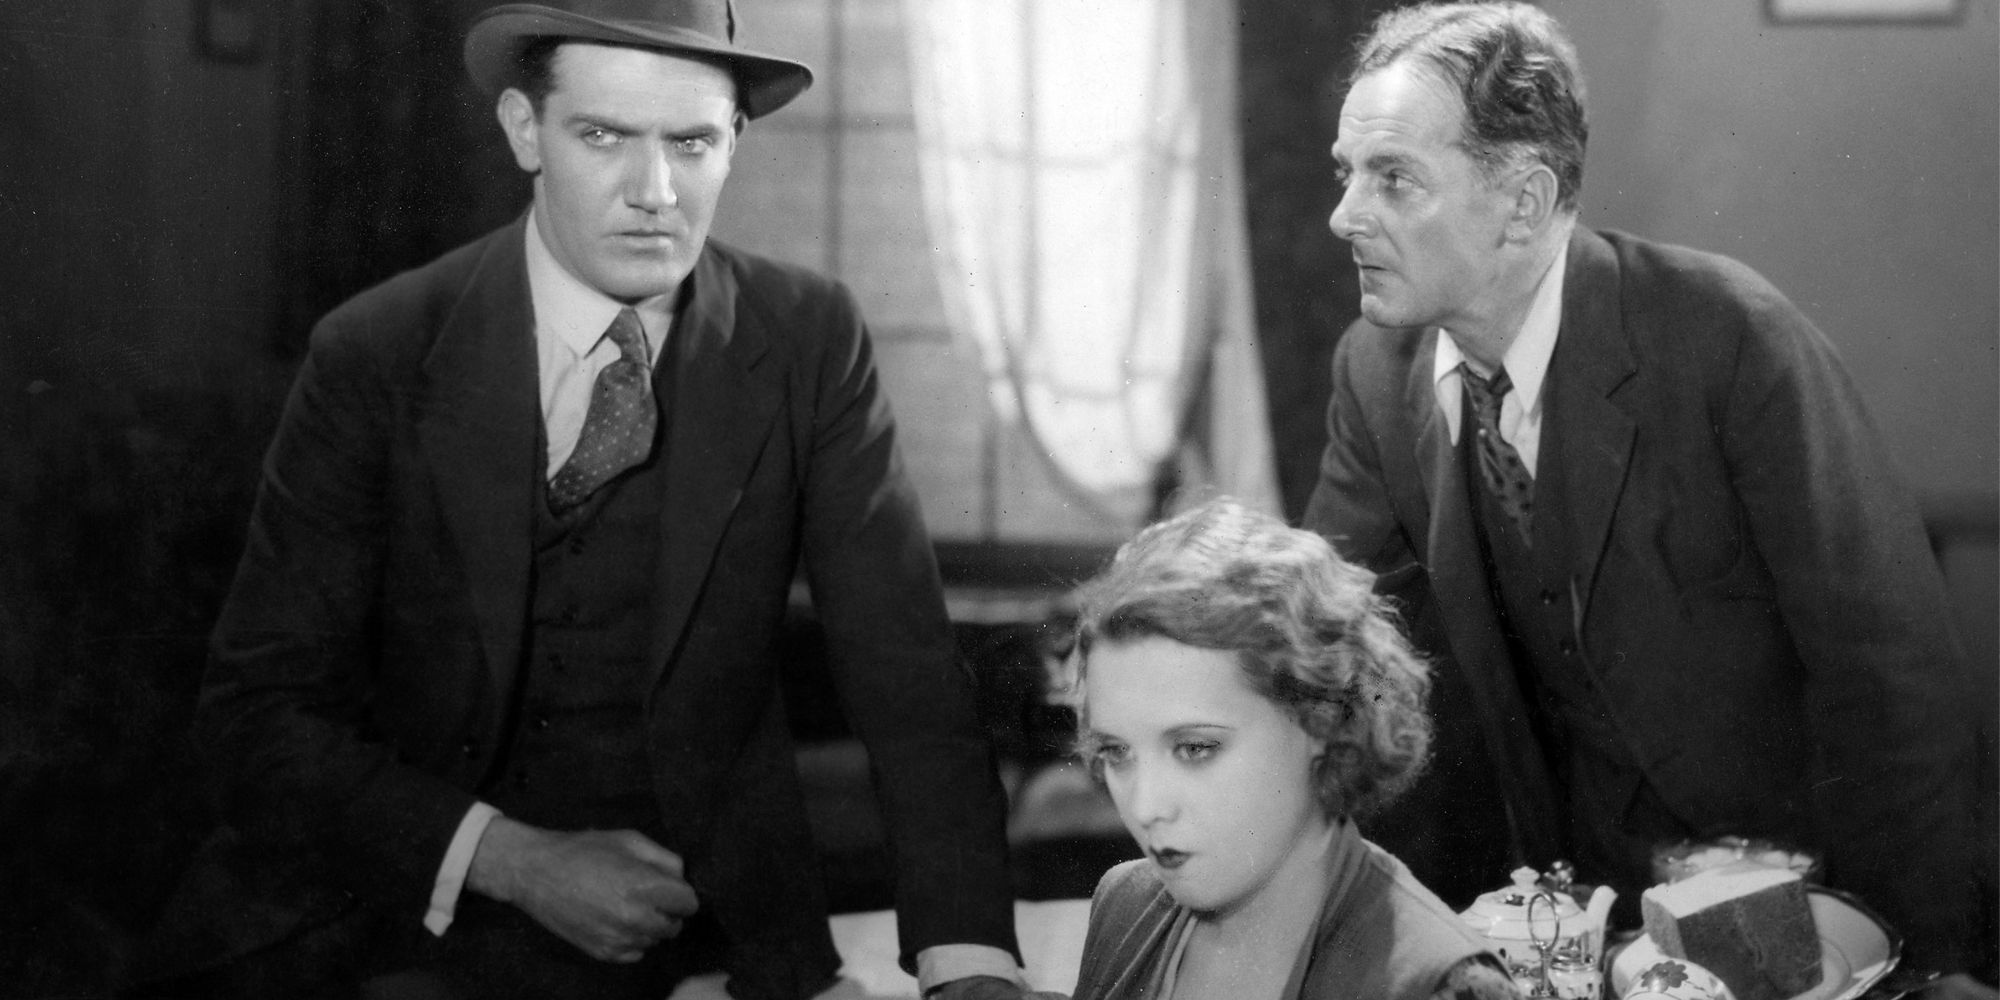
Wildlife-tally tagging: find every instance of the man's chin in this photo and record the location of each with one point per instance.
(1381, 313)
(639, 284)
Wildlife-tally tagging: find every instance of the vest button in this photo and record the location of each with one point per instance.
(569, 615)
(471, 752)
(1567, 645)
(556, 663)
(541, 724)
(1549, 596)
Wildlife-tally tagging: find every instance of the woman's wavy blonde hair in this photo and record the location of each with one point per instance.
(1306, 628)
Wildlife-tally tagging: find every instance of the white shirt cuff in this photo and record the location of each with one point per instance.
(942, 963)
(457, 862)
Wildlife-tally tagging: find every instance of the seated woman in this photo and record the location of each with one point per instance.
(1245, 696)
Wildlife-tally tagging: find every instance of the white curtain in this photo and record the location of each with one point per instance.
(1081, 171)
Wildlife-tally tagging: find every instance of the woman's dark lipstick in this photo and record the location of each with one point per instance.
(1168, 858)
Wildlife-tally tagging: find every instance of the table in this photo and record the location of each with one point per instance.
(1050, 932)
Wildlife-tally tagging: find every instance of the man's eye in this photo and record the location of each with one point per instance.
(692, 145)
(599, 137)
(1196, 750)
(1397, 180)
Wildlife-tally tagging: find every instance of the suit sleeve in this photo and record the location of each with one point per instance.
(281, 721)
(875, 584)
(1350, 502)
(1861, 597)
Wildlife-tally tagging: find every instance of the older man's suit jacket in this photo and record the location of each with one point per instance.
(359, 687)
(1754, 598)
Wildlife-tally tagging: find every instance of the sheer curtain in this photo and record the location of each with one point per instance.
(1082, 179)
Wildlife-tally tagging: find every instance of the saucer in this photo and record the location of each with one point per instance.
(1856, 949)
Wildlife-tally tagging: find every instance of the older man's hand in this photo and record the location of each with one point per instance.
(612, 893)
(988, 988)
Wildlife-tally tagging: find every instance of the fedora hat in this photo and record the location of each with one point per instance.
(705, 28)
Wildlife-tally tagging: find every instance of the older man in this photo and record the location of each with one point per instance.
(1631, 496)
(493, 703)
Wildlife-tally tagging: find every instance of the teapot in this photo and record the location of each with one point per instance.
(1536, 919)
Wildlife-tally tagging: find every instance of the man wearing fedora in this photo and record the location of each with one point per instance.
(492, 708)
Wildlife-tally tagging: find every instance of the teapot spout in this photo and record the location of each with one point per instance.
(1597, 918)
(1599, 909)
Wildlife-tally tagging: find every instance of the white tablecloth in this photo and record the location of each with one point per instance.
(1051, 935)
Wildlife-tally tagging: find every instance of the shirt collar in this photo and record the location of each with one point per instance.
(575, 314)
(1527, 358)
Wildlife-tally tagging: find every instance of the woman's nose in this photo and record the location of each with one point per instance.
(1151, 797)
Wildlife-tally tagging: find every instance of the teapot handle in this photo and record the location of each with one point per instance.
(1555, 916)
(1544, 948)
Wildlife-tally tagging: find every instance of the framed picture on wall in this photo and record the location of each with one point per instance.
(1863, 11)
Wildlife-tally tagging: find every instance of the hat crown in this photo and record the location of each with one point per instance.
(714, 18)
(698, 28)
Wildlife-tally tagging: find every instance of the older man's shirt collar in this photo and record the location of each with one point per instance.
(1527, 363)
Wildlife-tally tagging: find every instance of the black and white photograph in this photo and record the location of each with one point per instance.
(999, 500)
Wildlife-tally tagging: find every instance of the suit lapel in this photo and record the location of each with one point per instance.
(477, 420)
(1435, 464)
(720, 413)
(1457, 573)
(1458, 576)
(1593, 359)
(1471, 621)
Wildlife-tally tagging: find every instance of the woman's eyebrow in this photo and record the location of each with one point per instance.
(1199, 728)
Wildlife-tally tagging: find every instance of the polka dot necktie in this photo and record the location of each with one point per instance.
(618, 428)
(1500, 465)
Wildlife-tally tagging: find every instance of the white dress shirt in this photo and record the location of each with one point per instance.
(1527, 364)
(570, 345)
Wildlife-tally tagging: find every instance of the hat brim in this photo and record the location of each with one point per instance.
(494, 41)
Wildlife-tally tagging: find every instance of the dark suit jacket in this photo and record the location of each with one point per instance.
(1755, 598)
(362, 668)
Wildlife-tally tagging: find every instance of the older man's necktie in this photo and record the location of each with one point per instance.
(618, 428)
(1499, 464)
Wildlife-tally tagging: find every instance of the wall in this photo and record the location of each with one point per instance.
(137, 195)
(136, 389)
(1856, 167)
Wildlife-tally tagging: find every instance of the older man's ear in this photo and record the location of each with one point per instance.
(1534, 204)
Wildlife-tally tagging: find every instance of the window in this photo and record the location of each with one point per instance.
(831, 182)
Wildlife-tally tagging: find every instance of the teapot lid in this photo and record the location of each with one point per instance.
(1510, 904)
